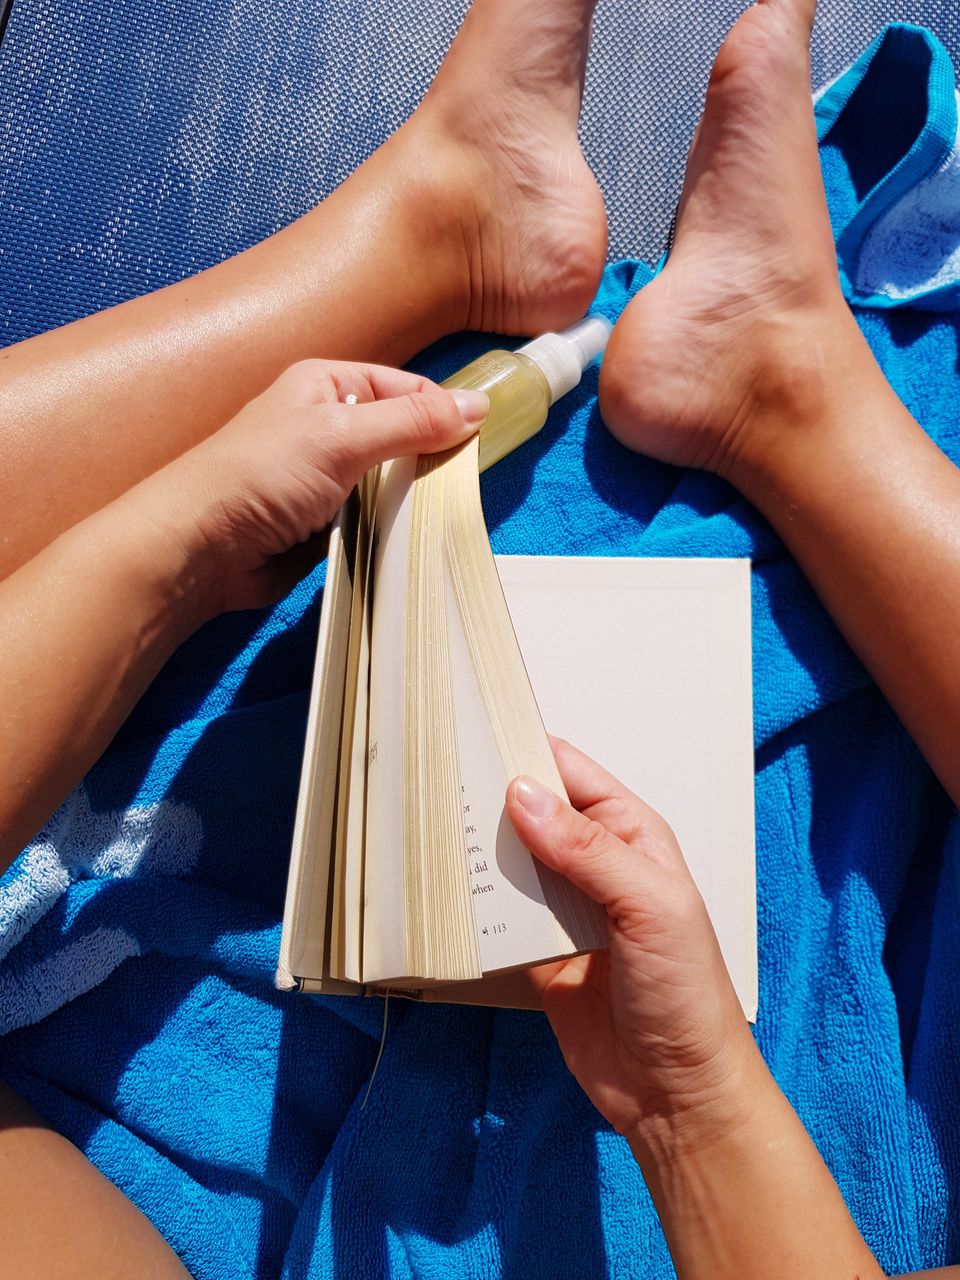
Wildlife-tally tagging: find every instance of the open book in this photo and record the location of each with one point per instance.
(406, 874)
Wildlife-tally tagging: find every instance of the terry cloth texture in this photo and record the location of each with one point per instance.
(141, 929)
(895, 198)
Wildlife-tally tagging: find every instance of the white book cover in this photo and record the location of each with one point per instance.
(646, 665)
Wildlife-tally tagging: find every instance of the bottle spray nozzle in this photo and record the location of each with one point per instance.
(590, 337)
(562, 357)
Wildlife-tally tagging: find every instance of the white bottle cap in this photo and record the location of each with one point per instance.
(562, 357)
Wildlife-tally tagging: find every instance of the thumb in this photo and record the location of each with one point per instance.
(591, 857)
(423, 422)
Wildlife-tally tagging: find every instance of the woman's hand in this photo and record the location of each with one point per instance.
(247, 503)
(652, 1029)
(86, 624)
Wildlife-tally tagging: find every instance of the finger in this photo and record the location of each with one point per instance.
(587, 783)
(560, 973)
(290, 568)
(603, 797)
(591, 857)
(384, 383)
(332, 381)
(424, 422)
(368, 382)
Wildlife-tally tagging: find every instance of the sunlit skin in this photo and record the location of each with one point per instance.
(481, 213)
(743, 358)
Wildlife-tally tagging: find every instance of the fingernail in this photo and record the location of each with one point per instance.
(473, 405)
(537, 800)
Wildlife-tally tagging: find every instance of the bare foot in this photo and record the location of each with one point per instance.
(498, 129)
(748, 310)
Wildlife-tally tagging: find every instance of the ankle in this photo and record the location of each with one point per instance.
(403, 215)
(812, 371)
(438, 213)
(450, 206)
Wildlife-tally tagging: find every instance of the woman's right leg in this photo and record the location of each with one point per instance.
(479, 213)
(743, 357)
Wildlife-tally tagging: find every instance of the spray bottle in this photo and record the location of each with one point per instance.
(523, 384)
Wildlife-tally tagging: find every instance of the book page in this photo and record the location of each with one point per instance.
(513, 922)
(384, 924)
(646, 666)
(505, 693)
(508, 915)
(304, 941)
(351, 923)
(347, 882)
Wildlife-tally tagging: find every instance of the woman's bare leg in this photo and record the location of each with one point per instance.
(479, 213)
(60, 1217)
(743, 357)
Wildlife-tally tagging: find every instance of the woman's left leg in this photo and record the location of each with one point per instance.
(480, 213)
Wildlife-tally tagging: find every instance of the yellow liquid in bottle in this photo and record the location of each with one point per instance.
(519, 400)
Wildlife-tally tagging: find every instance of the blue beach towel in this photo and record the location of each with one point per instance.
(891, 162)
(139, 932)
